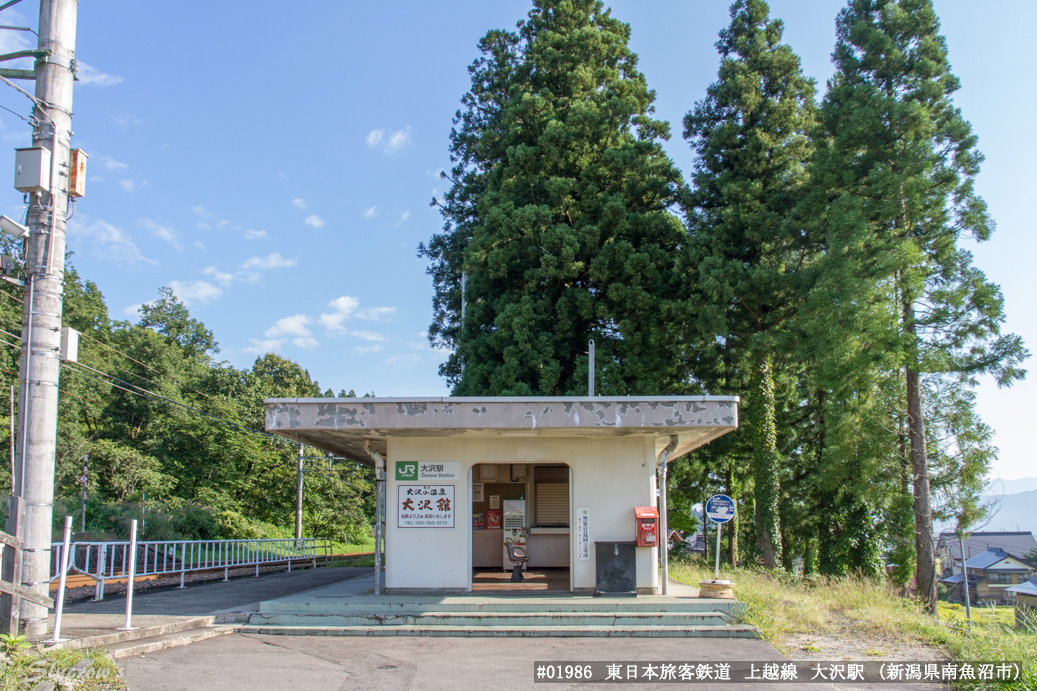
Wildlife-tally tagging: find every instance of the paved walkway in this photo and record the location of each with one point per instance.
(288, 663)
(167, 605)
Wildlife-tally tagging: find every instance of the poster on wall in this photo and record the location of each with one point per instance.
(477, 491)
(425, 506)
(583, 534)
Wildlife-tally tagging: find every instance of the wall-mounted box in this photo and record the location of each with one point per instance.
(32, 170)
(69, 344)
(77, 173)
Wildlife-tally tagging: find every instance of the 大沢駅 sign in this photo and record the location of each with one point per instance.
(425, 506)
(428, 471)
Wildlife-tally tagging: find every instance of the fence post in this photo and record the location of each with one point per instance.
(132, 575)
(60, 605)
(12, 566)
(183, 562)
(102, 564)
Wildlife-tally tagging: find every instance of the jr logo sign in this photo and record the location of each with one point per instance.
(406, 471)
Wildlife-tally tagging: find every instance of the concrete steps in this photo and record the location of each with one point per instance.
(147, 639)
(492, 619)
(500, 616)
(153, 644)
(722, 631)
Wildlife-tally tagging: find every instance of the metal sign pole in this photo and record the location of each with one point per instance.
(716, 572)
(60, 605)
(132, 575)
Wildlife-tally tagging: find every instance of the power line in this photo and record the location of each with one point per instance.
(119, 352)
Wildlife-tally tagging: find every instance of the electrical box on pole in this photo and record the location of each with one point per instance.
(77, 173)
(69, 344)
(32, 170)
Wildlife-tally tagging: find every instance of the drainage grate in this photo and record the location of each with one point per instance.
(386, 666)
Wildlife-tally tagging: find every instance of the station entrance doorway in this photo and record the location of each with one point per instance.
(529, 505)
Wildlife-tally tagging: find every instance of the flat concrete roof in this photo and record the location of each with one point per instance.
(340, 425)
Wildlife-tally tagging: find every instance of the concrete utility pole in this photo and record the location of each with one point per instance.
(40, 364)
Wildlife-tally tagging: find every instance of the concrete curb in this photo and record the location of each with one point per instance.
(109, 640)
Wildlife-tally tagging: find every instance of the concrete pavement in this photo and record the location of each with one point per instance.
(287, 663)
(221, 597)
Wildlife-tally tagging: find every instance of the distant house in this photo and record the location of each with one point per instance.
(949, 552)
(1025, 595)
(991, 574)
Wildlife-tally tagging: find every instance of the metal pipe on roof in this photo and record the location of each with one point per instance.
(664, 528)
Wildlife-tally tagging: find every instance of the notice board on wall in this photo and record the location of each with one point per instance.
(425, 506)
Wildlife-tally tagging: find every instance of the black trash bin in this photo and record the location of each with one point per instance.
(616, 568)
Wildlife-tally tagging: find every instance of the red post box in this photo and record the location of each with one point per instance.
(647, 518)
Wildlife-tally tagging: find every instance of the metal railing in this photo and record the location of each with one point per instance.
(103, 561)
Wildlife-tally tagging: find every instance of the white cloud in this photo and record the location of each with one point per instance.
(201, 211)
(127, 184)
(298, 203)
(315, 221)
(126, 119)
(271, 261)
(91, 75)
(222, 224)
(195, 292)
(395, 142)
(198, 244)
(106, 241)
(364, 350)
(132, 310)
(367, 335)
(262, 347)
(409, 359)
(203, 226)
(253, 234)
(224, 279)
(371, 212)
(110, 163)
(375, 313)
(398, 141)
(405, 215)
(344, 308)
(163, 233)
(293, 326)
(341, 309)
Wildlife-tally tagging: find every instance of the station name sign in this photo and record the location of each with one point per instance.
(428, 471)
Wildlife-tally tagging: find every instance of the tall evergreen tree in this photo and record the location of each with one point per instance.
(557, 221)
(900, 169)
(751, 137)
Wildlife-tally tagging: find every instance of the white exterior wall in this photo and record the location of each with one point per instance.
(610, 476)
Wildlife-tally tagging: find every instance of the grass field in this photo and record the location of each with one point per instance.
(784, 607)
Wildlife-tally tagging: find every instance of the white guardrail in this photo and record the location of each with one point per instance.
(103, 561)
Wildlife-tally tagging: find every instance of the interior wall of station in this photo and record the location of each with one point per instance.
(610, 476)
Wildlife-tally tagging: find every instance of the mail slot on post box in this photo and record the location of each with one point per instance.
(647, 526)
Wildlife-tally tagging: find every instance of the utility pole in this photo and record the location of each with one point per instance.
(40, 365)
(83, 479)
(298, 497)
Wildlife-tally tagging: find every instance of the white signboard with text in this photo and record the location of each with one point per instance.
(425, 506)
(583, 534)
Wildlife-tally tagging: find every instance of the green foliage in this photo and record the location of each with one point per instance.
(177, 432)
(557, 217)
(12, 645)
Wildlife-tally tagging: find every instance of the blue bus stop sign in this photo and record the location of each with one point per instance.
(720, 508)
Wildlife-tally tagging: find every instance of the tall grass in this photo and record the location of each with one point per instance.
(781, 605)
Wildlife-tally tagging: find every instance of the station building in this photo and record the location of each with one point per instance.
(465, 476)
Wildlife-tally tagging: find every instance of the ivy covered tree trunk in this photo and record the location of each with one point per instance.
(765, 467)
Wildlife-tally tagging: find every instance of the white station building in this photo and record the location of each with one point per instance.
(463, 476)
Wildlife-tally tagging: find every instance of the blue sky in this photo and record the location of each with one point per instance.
(274, 162)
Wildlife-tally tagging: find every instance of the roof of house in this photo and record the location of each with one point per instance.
(994, 559)
(348, 426)
(1017, 544)
(1027, 588)
(956, 579)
